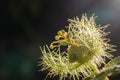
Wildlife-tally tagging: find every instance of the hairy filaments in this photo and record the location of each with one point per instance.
(87, 50)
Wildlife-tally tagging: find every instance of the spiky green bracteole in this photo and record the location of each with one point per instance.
(87, 50)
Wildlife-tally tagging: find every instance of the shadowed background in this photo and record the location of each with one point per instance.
(25, 25)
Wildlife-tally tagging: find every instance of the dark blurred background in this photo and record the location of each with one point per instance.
(25, 25)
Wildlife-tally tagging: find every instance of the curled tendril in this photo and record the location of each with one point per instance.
(87, 49)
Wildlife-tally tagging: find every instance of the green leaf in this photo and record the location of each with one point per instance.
(113, 62)
(110, 69)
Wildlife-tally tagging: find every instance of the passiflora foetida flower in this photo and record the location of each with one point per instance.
(87, 49)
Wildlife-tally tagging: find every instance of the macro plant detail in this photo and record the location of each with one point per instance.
(86, 52)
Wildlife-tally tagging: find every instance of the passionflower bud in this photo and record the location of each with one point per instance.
(87, 49)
